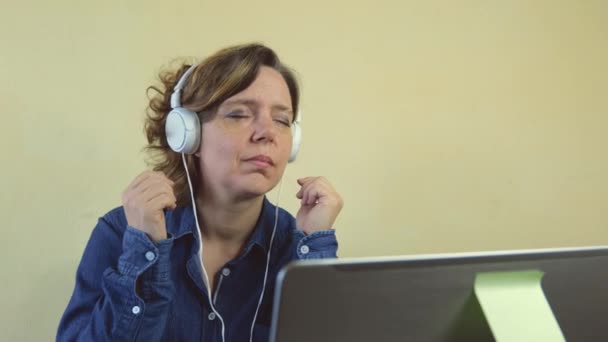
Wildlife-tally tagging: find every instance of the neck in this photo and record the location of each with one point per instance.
(228, 221)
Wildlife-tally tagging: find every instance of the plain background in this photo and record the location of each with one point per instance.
(447, 126)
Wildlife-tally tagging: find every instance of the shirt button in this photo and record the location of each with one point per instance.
(150, 255)
(211, 316)
(135, 310)
(226, 272)
(304, 249)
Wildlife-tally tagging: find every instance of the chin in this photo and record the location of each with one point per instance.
(255, 186)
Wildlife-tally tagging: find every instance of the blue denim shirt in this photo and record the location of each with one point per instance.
(129, 288)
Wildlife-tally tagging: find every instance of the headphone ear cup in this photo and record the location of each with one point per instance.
(183, 130)
(296, 133)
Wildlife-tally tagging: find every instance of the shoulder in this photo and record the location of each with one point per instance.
(105, 243)
(110, 228)
(115, 220)
(286, 224)
(286, 219)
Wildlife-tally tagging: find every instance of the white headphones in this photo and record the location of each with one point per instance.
(183, 127)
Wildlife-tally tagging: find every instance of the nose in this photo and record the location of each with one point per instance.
(264, 128)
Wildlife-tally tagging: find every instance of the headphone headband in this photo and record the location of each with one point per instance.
(177, 90)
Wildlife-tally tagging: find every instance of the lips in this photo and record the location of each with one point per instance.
(261, 160)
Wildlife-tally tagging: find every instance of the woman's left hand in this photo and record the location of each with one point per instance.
(320, 204)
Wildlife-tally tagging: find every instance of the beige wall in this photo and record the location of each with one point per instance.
(447, 127)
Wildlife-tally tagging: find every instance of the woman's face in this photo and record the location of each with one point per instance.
(245, 146)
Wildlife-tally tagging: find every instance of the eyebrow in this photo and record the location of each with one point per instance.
(249, 102)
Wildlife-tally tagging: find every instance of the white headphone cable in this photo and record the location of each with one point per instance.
(200, 250)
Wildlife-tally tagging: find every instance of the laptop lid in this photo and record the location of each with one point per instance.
(431, 297)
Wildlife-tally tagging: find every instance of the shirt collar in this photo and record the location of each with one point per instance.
(262, 232)
(181, 221)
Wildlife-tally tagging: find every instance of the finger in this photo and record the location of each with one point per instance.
(152, 194)
(302, 181)
(139, 179)
(307, 186)
(146, 201)
(139, 198)
(312, 192)
(309, 180)
(161, 201)
(322, 192)
(154, 183)
(324, 189)
(153, 191)
(312, 196)
(157, 175)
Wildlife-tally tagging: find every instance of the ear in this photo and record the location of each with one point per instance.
(197, 154)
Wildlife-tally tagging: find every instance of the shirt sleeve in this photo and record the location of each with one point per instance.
(318, 245)
(123, 288)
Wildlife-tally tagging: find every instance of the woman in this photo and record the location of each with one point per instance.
(157, 270)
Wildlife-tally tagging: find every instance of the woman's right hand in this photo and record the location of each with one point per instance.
(144, 201)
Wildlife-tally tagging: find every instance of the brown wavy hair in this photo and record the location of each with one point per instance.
(213, 81)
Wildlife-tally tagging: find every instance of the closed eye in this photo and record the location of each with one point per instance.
(284, 122)
(237, 115)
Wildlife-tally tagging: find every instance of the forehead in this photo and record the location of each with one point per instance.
(268, 89)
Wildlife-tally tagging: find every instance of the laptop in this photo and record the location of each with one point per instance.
(431, 297)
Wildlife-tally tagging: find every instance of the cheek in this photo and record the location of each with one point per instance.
(286, 145)
(220, 150)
